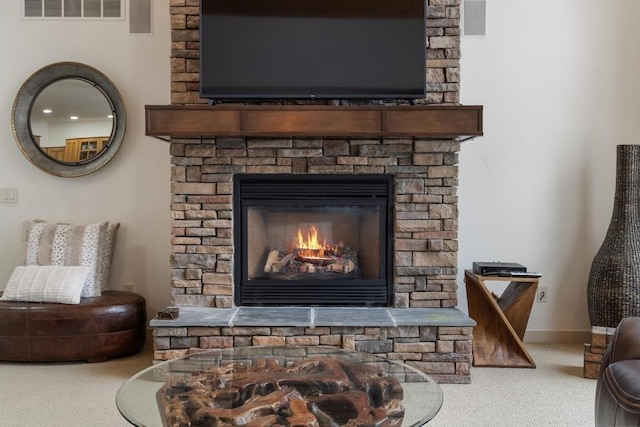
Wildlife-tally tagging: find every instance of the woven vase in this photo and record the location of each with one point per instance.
(614, 281)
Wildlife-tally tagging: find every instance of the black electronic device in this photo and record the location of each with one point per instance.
(524, 274)
(498, 268)
(332, 49)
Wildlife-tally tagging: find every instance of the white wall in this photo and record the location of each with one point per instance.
(560, 85)
(133, 188)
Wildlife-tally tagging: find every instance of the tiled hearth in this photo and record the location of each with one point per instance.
(422, 326)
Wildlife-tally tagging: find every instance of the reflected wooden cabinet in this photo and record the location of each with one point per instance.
(71, 150)
(55, 152)
(90, 147)
(78, 149)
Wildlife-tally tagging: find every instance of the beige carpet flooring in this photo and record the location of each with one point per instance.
(83, 394)
(552, 394)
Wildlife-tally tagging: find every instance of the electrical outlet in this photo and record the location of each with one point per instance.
(128, 287)
(542, 294)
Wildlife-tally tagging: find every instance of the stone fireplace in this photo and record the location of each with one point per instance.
(399, 296)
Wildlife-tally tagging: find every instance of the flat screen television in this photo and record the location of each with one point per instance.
(341, 49)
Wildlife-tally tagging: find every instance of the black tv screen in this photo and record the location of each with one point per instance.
(312, 49)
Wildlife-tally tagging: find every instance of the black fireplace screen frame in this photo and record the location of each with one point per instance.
(260, 190)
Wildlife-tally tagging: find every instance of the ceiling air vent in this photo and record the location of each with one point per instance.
(56, 9)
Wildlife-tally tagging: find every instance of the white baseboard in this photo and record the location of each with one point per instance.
(557, 336)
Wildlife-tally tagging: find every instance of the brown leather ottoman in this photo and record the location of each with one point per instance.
(111, 325)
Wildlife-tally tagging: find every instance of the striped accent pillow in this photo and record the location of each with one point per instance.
(105, 255)
(47, 283)
(90, 245)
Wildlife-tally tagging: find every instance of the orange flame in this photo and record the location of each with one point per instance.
(310, 247)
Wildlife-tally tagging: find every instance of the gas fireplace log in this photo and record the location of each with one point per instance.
(320, 261)
(272, 260)
(342, 265)
(285, 264)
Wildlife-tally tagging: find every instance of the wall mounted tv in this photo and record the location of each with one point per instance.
(340, 49)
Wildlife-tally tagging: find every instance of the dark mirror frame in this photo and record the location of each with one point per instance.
(21, 118)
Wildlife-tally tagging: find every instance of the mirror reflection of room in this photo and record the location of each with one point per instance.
(71, 120)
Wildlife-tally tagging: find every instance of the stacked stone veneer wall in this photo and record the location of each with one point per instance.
(425, 188)
(425, 205)
(425, 223)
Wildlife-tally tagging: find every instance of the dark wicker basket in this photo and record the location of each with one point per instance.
(614, 281)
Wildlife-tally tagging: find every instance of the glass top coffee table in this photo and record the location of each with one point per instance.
(279, 386)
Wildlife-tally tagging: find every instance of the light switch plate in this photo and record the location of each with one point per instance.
(8, 195)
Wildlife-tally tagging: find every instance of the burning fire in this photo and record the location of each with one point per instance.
(309, 256)
(310, 248)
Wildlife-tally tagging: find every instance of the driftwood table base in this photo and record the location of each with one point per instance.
(314, 392)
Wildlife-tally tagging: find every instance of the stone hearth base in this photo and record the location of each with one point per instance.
(436, 341)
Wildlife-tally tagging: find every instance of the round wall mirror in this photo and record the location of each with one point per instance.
(68, 119)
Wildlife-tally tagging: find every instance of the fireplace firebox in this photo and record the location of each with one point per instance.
(313, 240)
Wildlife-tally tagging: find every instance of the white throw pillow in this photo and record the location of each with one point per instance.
(46, 283)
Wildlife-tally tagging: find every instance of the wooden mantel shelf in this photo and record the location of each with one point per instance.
(195, 121)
